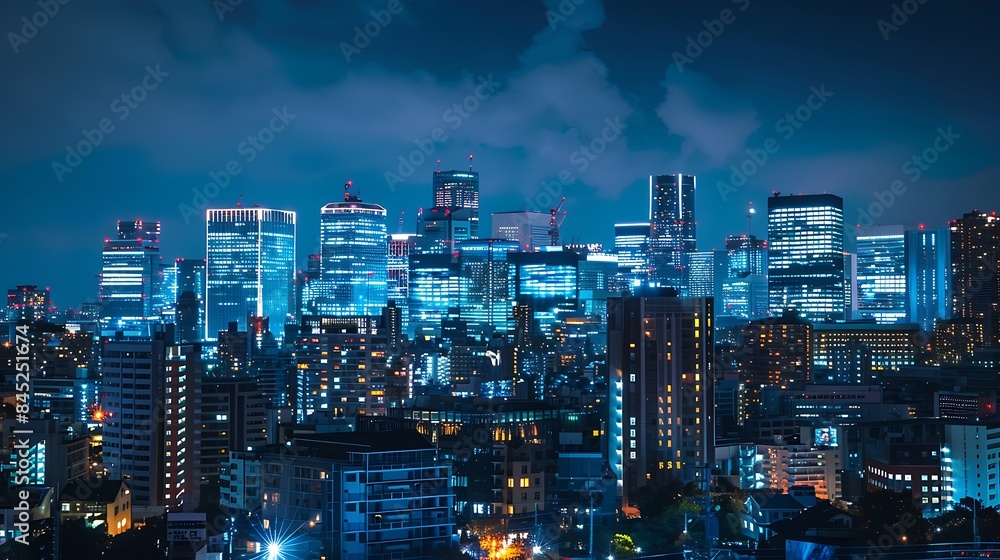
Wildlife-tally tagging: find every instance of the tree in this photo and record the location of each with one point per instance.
(77, 541)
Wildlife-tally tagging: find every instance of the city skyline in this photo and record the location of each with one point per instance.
(684, 108)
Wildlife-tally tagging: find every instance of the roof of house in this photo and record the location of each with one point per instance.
(94, 490)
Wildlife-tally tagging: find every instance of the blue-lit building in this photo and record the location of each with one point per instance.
(743, 290)
(704, 272)
(487, 285)
(434, 293)
(443, 229)
(189, 305)
(928, 276)
(805, 239)
(672, 227)
(632, 248)
(354, 259)
(881, 274)
(459, 190)
(130, 272)
(250, 267)
(401, 246)
(547, 282)
(531, 230)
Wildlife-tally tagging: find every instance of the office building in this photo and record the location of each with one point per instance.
(401, 246)
(250, 267)
(531, 230)
(354, 259)
(928, 276)
(189, 305)
(233, 418)
(672, 227)
(443, 229)
(975, 253)
(548, 283)
(805, 263)
(487, 286)
(632, 249)
(881, 274)
(862, 352)
(662, 396)
(459, 190)
(130, 272)
(434, 293)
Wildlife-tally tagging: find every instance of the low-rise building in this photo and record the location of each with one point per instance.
(100, 502)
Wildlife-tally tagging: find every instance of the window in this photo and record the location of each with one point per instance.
(525, 482)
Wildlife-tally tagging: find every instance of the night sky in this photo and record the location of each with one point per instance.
(212, 74)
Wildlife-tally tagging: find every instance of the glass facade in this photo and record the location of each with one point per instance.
(672, 219)
(529, 229)
(487, 285)
(881, 274)
(459, 189)
(250, 269)
(434, 290)
(354, 260)
(928, 273)
(130, 272)
(632, 246)
(805, 238)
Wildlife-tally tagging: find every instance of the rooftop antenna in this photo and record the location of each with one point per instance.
(439, 166)
(401, 217)
(239, 204)
(347, 189)
(470, 162)
(750, 212)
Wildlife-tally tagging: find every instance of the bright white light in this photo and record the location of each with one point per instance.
(638, 550)
(273, 550)
(536, 550)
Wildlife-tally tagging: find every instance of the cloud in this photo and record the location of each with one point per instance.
(712, 121)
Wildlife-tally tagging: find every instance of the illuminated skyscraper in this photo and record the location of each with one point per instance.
(434, 292)
(881, 274)
(28, 303)
(457, 190)
(401, 246)
(487, 285)
(975, 254)
(928, 273)
(805, 239)
(355, 259)
(190, 302)
(672, 227)
(632, 248)
(250, 267)
(130, 272)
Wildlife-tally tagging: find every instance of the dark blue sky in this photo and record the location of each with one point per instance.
(556, 83)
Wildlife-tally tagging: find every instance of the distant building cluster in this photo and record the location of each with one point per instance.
(399, 392)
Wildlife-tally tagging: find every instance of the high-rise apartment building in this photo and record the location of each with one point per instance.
(662, 394)
(250, 267)
(975, 254)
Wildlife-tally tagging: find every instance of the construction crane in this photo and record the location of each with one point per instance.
(555, 222)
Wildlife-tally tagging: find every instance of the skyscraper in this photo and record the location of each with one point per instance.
(457, 190)
(250, 267)
(672, 227)
(529, 229)
(487, 285)
(130, 271)
(433, 292)
(805, 239)
(975, 254)
(881, 275)
(355, 258)
(632, 248)
(661, 380)
(190, 302)
(401, 246)
(928, 276)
